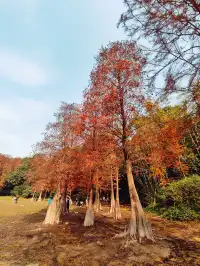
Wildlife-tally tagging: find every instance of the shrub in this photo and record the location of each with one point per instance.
(153, 208)
(180, 200)
(185, 192)
(180, 213)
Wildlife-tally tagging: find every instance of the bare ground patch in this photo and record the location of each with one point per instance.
(24, 240)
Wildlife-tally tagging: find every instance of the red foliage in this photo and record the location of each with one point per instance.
(7, 165)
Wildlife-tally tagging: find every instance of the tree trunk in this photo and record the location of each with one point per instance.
(40, 197)
(53, 215)
(97, 204)
(100, 205)
(112, 203)
(87, 198)
(45, 195)
(89, 216)
(139, 227)
(86, 202)
(63, 204)
(57, 210)
(117, 207)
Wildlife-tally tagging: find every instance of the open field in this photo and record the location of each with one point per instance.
(24, 206)
(24, 240)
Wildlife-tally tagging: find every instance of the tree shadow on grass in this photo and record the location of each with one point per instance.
(104, 227)
(73, 233)
(35, 217)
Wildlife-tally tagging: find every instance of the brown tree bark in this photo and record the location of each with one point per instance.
(97, 203)
(139, 227)
(100, 205)
(63, 203)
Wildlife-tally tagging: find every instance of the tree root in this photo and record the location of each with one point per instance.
(132, 238)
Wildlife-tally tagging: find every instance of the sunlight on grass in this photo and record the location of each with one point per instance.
(24, 206)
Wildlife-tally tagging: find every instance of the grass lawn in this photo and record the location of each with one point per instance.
(24, 206)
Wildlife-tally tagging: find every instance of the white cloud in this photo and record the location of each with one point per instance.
(21, 70)
(22, 122)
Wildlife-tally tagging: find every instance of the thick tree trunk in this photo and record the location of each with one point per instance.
(97, 203)
(40, 197)
(63, 204)
(139, 227)
(57, 210)
(53, 215)
(117, 206)
(89, 216)
(112, 203)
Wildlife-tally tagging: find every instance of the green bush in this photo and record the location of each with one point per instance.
(153, 208)
(180, 213)
(185, 192)
(180, 200)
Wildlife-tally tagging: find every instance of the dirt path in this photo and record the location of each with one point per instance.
(25, 241)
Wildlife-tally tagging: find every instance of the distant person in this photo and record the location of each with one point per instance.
(15, 199)
(68, 202)
(50, 200)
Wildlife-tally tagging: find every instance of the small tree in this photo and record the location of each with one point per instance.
(19, 180)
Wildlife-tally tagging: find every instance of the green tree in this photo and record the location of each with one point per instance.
(18, 180)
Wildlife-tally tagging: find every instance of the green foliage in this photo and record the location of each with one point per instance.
(153, 208)
(22, 190)
(185, 191)
(19, 176)
(180, 213)
(148, 188)
(179, 200)
(191, 156)
(18, 180)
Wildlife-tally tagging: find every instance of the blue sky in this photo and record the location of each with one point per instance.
(46, 50)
